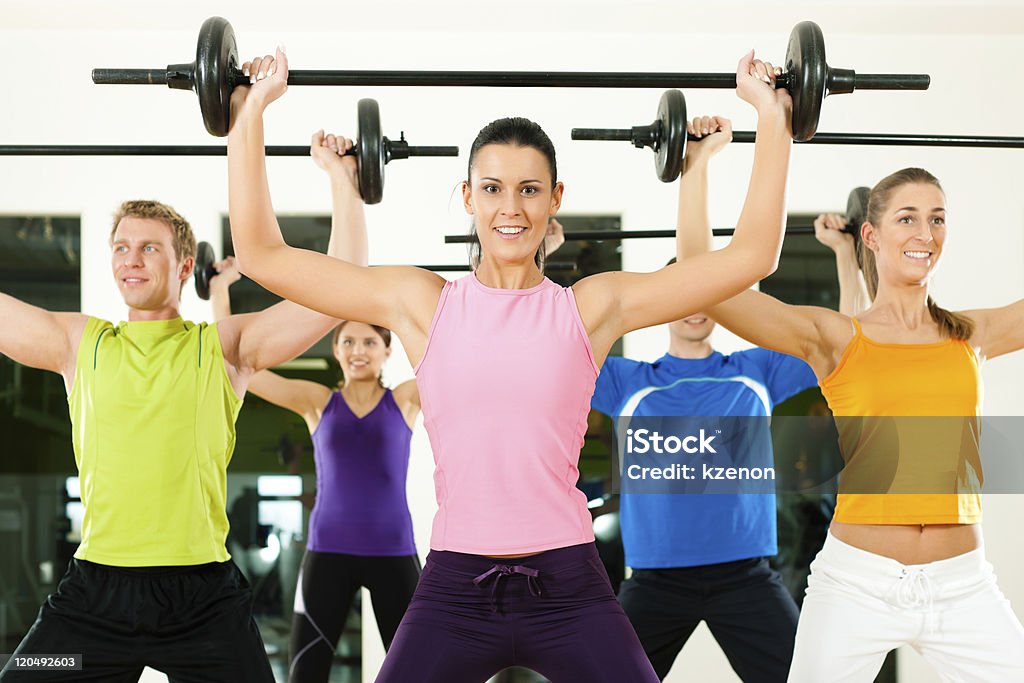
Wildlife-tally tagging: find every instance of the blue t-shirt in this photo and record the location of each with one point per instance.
(684, 530)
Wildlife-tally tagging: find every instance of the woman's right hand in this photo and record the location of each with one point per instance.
(755, 83)
(268, 80)
(328, 152)
(829, 230)
(706, 137)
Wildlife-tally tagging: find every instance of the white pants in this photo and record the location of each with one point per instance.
(859, 606)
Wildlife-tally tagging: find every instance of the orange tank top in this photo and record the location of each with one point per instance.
(908, 422)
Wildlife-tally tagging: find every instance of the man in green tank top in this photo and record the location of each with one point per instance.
(153, 403)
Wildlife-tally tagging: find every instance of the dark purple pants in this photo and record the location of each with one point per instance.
(553, 612)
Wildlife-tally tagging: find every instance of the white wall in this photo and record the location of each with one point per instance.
(49, 99)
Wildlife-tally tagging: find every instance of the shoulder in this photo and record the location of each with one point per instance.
(601, 285)
(407, 393)
(757, 356)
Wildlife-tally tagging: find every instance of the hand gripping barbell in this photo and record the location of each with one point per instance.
(667, 137)
(372, 150)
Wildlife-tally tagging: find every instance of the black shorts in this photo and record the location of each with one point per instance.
(193, 623)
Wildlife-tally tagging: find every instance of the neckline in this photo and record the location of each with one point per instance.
(693, 362)
(367, 414)
(894, 345)
(509, 292)
(153, 328)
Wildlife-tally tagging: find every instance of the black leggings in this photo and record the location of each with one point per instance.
(327, 585)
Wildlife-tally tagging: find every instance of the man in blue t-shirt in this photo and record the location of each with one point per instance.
(703, 557)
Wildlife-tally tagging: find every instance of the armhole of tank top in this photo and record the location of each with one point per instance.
(389, 394)
(99, 337)
(582, 328)
(218, 352)
(335, 395)
(433, 324)
(857, 334)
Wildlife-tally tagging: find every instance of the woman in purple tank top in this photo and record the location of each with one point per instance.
(360, 530)
(506, 362)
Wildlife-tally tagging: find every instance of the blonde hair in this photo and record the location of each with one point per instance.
(183, 239)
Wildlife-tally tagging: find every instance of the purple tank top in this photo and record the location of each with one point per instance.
(361, 468)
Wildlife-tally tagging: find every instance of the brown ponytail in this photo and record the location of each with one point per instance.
(950, 324)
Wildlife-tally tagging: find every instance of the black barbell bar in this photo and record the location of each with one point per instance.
(873, 139)
(195, 151)
(216, 72)
(856, 214)
(372, 149)
(666, 136)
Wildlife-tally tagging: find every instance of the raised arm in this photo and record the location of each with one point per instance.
(760, 319)
(998, 330)
(304, 398)
(853, 291)
(708, 135)
(40, 339)
(384, 296)
(256, 341)
(615, 303)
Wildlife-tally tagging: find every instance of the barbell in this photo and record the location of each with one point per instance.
(856, 214)
(216, 72)
(372, 150)
(666, 136)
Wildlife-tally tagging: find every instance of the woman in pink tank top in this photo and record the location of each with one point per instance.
(506, 363)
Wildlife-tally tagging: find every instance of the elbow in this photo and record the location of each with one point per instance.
(253, 261)
(770, 265)
(759, 263)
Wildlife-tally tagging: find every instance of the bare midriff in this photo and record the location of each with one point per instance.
(911, 543)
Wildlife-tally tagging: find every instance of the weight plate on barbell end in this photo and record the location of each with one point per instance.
(671, 146)
(857, 209)
(808, 76)
(204, 270)
(216, 61)
(371, 152)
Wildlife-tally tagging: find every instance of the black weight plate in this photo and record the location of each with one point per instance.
(216, 60)
(857, 209)
(670, 148)
(371, 152)
(808, 76)
(204, 270)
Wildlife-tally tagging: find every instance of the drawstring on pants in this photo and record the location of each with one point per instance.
(915, 590)
(499, 571)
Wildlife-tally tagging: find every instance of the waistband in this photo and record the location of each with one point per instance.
(547, 562)
(171, 570)
(858, 561)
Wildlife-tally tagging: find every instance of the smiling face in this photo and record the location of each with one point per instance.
(361, 351)
(511, 196)
(695, 328)
(145, 265)
(908, 234)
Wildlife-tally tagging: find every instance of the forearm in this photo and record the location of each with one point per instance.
(254, 230)
(693, 227)
(762, 220)
(348, 224)
(220, 300)
(853, 292)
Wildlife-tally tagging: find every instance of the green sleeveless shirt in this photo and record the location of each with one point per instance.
(153, 422)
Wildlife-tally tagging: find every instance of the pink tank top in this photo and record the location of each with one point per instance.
(505, 383)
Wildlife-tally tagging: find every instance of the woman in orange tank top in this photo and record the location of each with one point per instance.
(904, 554)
